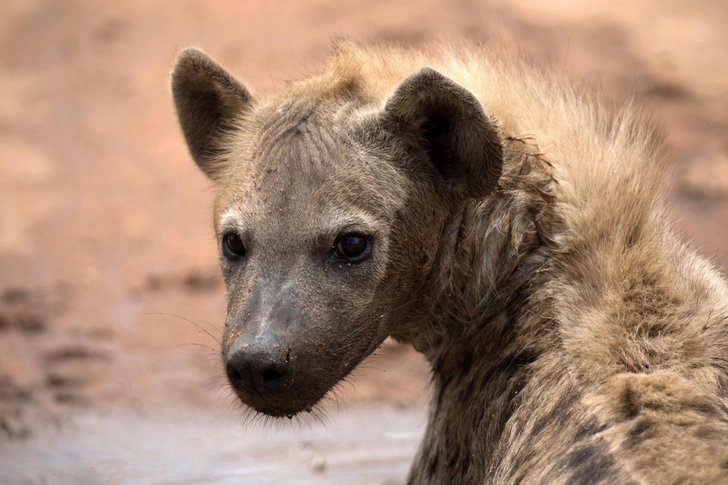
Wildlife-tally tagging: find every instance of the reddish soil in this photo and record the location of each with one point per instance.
(110, 296)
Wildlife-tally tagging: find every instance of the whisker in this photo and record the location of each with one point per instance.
(196, 345)
(216, 339)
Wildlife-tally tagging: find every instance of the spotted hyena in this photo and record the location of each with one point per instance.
(495, 219)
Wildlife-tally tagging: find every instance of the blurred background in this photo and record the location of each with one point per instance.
(111, 303)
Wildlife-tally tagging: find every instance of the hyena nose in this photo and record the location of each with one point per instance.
(259, 370)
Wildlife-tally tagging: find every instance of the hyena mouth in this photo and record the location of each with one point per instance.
(268, 380)
(280, 412)
(279, 408)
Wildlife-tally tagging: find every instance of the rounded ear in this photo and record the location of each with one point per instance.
(208, 100)
(447, 129)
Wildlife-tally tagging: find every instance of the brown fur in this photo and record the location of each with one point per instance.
(572, 337)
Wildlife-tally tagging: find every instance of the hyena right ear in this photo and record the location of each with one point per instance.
(446, 128)
(208, 101)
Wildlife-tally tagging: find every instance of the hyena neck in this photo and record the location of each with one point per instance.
(494, 256)
(491, 322)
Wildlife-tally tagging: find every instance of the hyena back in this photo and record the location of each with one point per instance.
(496, 219)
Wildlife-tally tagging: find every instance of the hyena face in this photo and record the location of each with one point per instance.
(330, 212)
(304, 248)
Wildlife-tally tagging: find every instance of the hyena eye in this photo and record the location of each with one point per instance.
(233, 247)
(352, 247)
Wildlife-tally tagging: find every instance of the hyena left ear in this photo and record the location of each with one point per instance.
(208, 100)
(447, 128)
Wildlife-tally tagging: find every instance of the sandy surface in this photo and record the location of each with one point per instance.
(110, 298)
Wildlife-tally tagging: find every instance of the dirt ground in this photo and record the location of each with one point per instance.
(110, 296)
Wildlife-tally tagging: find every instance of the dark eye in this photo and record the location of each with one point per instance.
(352, 247)
(233, 247)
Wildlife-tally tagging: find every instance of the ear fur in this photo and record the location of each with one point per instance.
(208, 100)
(446, 126)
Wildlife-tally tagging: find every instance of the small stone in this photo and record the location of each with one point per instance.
(318, 463)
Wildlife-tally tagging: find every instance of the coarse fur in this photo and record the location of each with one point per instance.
(518, 240)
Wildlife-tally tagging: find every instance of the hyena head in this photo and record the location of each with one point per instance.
(330, 212)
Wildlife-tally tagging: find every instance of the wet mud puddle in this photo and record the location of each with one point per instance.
(357, 446)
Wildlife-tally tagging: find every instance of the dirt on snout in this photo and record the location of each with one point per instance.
(111, 302)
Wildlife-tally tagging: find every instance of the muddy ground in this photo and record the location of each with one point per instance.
(110, 298)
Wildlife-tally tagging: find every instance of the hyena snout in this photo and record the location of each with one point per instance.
(259, 369)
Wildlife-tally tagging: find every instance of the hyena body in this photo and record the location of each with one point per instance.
(493, 218)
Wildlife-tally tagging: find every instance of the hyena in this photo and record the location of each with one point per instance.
(496, 219)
